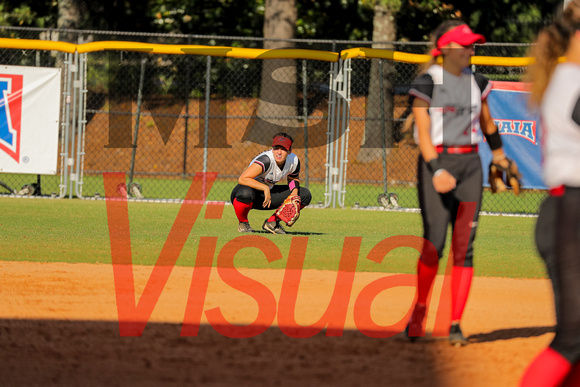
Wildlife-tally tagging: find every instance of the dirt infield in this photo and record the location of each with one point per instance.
(58, 326)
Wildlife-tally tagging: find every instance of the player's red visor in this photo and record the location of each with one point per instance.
(461, 34)
(283, 142)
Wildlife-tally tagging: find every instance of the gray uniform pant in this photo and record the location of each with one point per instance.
(558, 241)
(439, 210)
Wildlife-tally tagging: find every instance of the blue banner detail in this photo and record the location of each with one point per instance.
(5, 135)
(520, 134)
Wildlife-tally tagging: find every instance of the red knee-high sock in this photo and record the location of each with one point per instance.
(425, 276)
(573, 378)
(460, 285)
(548, 369)
(242, 210)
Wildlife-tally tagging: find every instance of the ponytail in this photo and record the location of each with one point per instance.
(552, 43)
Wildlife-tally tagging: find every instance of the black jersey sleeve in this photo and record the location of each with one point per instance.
(296, 172)
(576, 112)
(422, 88)
(264, 162)
(484, 84)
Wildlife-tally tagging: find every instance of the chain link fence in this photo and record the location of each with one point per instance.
(161, 118)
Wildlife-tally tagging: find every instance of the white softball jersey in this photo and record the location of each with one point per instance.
(271, 172)
(560, 115)
(454, 104)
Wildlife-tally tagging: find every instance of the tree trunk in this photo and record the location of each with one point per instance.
(69, 17)
(379, 113)
(277, 105)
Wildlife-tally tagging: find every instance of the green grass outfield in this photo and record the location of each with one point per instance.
(72, 231)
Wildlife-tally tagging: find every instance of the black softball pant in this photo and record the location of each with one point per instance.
(278, 193)
(558, 242)
(438, 210)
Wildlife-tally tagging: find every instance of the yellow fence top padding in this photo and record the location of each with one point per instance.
(256, 53)
(248, 53)
(230, 52)
(500, 61)
(114, 45)
(377, 53)
(35, 44)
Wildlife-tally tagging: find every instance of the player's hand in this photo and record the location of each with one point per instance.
(267, 198)
(504, 163)
(444, 182)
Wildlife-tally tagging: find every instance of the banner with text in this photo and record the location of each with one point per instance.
(520, 132)
(29, 119)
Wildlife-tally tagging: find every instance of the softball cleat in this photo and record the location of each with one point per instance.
(456, 337)
(415, 327)
(245, 227)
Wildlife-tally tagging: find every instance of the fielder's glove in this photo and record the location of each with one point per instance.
(500, 178)
(289, 211)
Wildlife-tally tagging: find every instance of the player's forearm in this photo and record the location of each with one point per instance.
(496, 145)
(423, 122)
(252, 183)
(294, 184)
(486, 121)
(426, 146)
(427, 150)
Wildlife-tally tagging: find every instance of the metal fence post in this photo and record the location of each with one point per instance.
(71, 145)
(137, 121)
(344, 131)
(337, 134)
(383, 128)
(305, 115)
(206, 121)
(186, 129)
(330, 137)
(81, 91)
(65, 126)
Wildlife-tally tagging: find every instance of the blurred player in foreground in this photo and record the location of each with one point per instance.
(450, 110)
(556, 90)
(257, 187)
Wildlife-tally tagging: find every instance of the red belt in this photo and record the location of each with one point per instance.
(557, 191)
(456, 149)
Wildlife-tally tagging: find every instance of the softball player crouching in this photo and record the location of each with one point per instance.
(257, 188)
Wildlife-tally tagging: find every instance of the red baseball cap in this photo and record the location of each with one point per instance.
(283, 142)
(461, 34)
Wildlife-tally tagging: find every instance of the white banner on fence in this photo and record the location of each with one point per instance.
(29, 119)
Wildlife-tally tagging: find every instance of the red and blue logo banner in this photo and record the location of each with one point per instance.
(29, 119)
(10, 114)
(520, 132)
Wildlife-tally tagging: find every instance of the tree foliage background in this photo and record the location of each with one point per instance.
(498, 20)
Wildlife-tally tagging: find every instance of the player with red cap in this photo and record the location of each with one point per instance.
(257, 188)
(450, 109)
